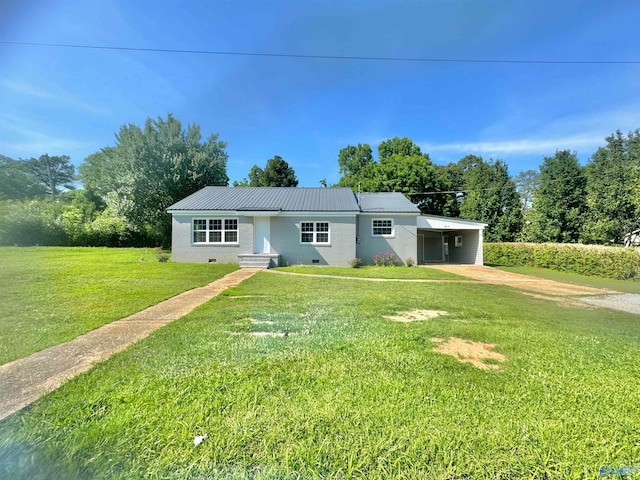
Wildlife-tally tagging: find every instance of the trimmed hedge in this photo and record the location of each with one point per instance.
(606, 262)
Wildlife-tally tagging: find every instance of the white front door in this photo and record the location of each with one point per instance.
(261, 235)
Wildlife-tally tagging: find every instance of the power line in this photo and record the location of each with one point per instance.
(324, 57)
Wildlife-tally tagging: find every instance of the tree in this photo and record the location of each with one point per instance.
(490, 196)
(559, 207)
(398, 146)
(53, 173)
(526, 183)
(613, 189)
(402, 167)
(351, 161)
(103, 172)
(412, 175)
(277, 173)
(450, 182)
(155, 166)
(16, 181)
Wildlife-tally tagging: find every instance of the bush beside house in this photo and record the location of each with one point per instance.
(607, 262)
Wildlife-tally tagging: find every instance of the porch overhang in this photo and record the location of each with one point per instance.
(443, 224)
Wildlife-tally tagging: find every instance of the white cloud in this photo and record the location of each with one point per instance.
(580, 133)
(522, 146)
(55, 98)
(27, 142)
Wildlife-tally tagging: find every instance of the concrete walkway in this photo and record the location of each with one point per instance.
(25, 380)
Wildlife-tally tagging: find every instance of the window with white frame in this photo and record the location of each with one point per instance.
(382, 227)
(314, 232)
(215, 230)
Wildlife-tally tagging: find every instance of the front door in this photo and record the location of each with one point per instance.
(261, 235)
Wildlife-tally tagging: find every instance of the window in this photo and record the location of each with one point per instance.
(215, 230)
(314, 232)
(382, 227)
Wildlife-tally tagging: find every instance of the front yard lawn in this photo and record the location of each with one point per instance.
(50, 295)
(416, 273)
(348, 393)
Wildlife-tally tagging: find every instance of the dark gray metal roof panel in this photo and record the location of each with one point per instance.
(286, 199)
(386, 202)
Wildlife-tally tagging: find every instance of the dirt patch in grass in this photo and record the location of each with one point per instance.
(565, 301)
(270, 334)
(262, 322)
(264, 334)
(416, 315)
(478, 354)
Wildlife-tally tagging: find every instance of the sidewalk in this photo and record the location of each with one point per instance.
(25, 380)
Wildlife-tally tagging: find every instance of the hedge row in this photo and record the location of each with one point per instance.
(37, 223)
(607, 262)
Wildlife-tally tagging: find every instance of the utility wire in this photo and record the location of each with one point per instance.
(324, 57)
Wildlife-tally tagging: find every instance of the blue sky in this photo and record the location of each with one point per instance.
(65, 101)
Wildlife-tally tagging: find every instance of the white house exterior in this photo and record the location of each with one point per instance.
(271, 226)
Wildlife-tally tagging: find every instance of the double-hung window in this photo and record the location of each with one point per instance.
(382, 227)
(314, 232)
(215, 230)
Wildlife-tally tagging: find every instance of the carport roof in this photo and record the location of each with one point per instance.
(435, 222)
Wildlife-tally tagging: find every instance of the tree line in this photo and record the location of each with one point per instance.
(561, 202)
(127, 187)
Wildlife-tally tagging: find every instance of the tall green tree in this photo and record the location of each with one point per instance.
(613, 189)
(526, 183)
(412, 175)
(450, 182)
(398, 146)
(104, 171)
(558, 211)
(490, 196)
(156, 166)
(351, 161)
(277, 173)
(53, 173)
(17, 182)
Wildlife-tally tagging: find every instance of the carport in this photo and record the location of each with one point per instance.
(449, 240)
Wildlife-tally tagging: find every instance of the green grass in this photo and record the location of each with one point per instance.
(348, 394)
(417, 273)
(51, 295)
(627, 286)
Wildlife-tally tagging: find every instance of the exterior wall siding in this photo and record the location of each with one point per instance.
(404, 243)
(285, 240)
(183, 249)
(471, 250)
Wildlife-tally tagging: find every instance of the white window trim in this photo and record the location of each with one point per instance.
(315, 233)
(223, 231)
(393, 228)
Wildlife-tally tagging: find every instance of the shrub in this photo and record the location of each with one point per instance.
(386, 259)
(355, 262)
(607, 262)
(163, 257)
(409, 262)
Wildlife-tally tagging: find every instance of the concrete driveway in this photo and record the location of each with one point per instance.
(517, 280)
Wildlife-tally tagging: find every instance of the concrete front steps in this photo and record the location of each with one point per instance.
(259, 260)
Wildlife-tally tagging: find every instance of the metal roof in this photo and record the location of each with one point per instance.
(386, 202)
(285, 199)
